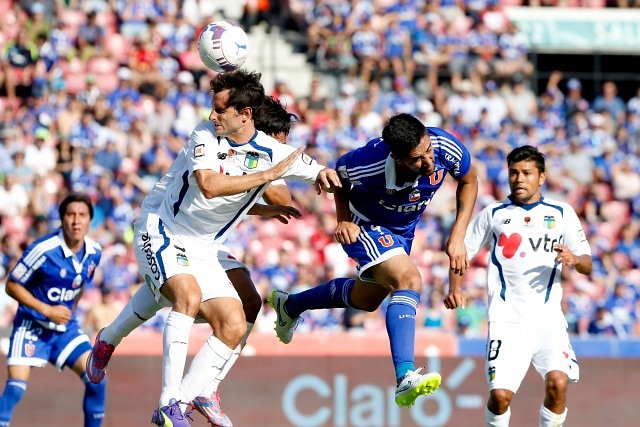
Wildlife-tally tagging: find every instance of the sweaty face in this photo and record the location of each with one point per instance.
(525, 181)
(75, 222)
(420, 160)
(227, 120)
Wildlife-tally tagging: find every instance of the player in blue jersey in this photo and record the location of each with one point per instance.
(386, 186)
(47, 282)
(532, 239)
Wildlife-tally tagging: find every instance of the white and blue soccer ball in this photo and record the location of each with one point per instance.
(223, 46)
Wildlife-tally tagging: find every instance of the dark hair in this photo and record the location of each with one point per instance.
(245, 89)
(75, 197)
(403, 133)
(526, 153)
(272, 118)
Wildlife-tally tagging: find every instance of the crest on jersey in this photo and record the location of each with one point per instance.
(63, 273)
(415, 195)
(198, 150)
(29, 349)
(491, 373)
(77, 282)
(527, 222)
(91, 269)
(251, 160)
(549, 221)
(182, 260)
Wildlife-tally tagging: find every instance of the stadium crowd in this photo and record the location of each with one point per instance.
(99, 96)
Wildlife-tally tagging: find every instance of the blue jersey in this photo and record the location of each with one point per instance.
(50, 271)
(375, 198)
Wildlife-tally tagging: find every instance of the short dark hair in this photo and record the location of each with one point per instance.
(403, 133)
(526, 153)
(272, 118)
(245, 89)
(75, 197)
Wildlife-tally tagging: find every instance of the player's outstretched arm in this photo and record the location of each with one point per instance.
(455, 297)
(327, 180)
(466, 195)
(277, 195)
(214, 184)
(280, 212)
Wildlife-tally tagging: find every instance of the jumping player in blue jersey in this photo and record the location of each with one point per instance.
(47, 282)
(386, 186)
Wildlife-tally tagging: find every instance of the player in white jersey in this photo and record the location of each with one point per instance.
(530, 239)
(218, 176)
(274, 120)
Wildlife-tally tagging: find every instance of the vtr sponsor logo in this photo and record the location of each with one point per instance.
(151, 259)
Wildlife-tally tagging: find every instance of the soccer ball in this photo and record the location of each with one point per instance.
(223, 46)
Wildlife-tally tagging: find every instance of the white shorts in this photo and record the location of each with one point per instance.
(228, 261)
(512, 347)
(161, 255)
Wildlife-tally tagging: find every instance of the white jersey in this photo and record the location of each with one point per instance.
(181, 205)
(524, 281)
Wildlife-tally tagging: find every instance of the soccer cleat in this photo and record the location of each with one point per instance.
(413, 385)
(211, 409)
(171, 416)
(285, 325)
(98, 359)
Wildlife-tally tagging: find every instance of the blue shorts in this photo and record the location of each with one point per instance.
(34, 345)
(374, 245)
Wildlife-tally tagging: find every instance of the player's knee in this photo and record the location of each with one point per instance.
(409, 280)
(557, 383)
(499, 401)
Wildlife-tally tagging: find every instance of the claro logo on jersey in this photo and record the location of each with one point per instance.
(151, 259)
(58, 294)
(511, 243)
(411, 207)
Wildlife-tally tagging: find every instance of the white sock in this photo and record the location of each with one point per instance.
(494, 420)
(551, 419)
(175, 344)
(141, 307)
(213, 386)
(205, 367)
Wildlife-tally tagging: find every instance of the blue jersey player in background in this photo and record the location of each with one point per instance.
(386, 186)
(47, 282)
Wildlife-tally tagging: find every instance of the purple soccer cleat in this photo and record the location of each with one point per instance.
(171, 416)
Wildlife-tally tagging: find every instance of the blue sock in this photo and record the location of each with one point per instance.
(13, 392)
(335, 293)
(93, 403)
(401, 327)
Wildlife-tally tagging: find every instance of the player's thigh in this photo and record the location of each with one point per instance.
(554, 351)
(367, 295)
(397, 272)
(508, 356)
(240, 277)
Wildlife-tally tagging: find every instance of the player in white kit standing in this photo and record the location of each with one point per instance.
(219, 175)
(530, 238)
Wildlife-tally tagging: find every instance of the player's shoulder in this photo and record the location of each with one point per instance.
(46, 242)
(557, 204)
(204, 131)
(93, 244)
